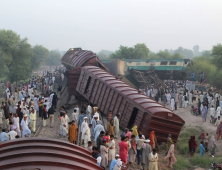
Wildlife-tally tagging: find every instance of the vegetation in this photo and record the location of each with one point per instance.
(19, 58)
(141, 51)
(210, 64)
(184, 160)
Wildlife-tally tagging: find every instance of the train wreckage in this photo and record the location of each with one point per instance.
(90, 81)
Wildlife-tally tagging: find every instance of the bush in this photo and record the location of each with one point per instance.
(181, 164)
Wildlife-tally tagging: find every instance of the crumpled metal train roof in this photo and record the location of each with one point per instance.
(77, 58)
(44, 154)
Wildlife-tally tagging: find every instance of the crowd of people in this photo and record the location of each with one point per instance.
(100, 139)
(19, 109)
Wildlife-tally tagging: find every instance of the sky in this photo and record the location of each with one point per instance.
(106, 24)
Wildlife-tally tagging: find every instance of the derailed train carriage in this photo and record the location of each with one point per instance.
(108, 93)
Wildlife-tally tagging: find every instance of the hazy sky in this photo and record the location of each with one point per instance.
(107, 24)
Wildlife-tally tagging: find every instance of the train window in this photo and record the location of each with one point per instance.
(173, 62)
(87, 85)
(163, 62)
(138, 63)
(133, 117)
(152, 64)
(147, 61)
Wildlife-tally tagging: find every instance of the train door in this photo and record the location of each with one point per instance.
(133, 117)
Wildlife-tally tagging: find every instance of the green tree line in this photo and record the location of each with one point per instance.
(210, 62)
(141, 51)
(19, 58)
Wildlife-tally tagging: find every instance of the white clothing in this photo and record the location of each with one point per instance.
(116, 125)
(87, 135)
(142, 137)
(97, 130)
(218, 111)
(74, 116)
(84, 125)
(212, 111)
(77, 111)
(97, 114)
(184, 102)
(51, 97)
(15, 121)
(4, 136)
(168, 96)
(33, 121)
(36, 106)
(48, 105)
(190, 98)
(63, 129)
(111, 151)
(26, 130)
(12, 134)
(172, 104)
(14, 109)
(62, 77)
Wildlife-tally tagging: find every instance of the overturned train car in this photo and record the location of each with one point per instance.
(74, 59)
(108, 93)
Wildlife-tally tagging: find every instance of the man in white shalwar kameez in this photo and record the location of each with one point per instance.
(98, 129)
(84, 125)
(86, 133)
(94, 123)
(172, 103)
(15, 121)
(24, 127)
(51, 97)
(36, 102)
(33, 120)
(77, 111)
(111, 147)
(168, 96)
(218, 111)
(64, 125)
(75, 117)
(116, 125)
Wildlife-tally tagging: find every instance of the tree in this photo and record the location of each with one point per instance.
(177, 56)
(40, 54)
(217, 55)
(16, 54)
(164, 54)
(206, 53)
(196, 49)
(139, 51)
(54, 58)
(200, 64)
(185, 52)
